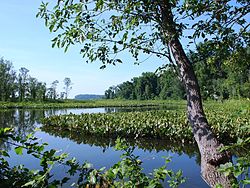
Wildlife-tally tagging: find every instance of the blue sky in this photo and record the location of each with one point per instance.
(27, 43)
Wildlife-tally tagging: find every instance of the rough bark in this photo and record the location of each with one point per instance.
(206, 141)
(212, 177)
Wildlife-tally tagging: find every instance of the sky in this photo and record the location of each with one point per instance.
(26, 42)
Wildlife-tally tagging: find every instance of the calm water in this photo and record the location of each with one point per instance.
(100, 151)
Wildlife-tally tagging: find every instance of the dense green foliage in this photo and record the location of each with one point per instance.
(158, 124)
(125, 173)
(222, 76)
(241, 168)
(149, 86)
(226, 77)
(22, 87)
(19, 87)
(229, 121)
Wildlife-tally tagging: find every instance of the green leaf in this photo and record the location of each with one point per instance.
(52, 186)
(4, 153)
(87, 165)
(103, 67)
(219, 186)
(30, 183)
(19, 150)
(102, 169)
(246, 182)
(118, 60)
(51, 27)
(65, 179)
(40, 148)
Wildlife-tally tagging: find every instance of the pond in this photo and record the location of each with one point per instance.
(99, 151)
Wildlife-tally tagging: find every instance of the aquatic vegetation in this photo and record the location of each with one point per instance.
(169, 124)
(157, 124)
(230, 121)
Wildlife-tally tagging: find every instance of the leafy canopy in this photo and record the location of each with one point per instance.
(104, 28)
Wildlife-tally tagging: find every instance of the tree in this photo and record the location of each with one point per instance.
(111, 92)
(33, 87)
(225, 76)
(170, 85)
(150, 86)
(7, 80)
(52, 93)
(41, 91)
(67, 83)
(106, 27)
(22, 82)
(125, 90)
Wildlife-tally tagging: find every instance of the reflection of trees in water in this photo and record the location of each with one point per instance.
(7, 119)
(52, 112)
(209, 172)
(110, 109)
(143, 143)
(27, 121)
(21, 121)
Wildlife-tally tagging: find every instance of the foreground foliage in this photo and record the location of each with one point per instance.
(240, 169)
(125, 173)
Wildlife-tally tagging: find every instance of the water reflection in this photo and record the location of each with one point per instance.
(141, 109)
(98, 150)
(22, 122)
(142, 143)
(26, 121)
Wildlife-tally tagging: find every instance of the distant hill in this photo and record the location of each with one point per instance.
(88, 96)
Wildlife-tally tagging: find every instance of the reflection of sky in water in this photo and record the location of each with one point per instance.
(78, 111)
(102, 110)
(100, 157)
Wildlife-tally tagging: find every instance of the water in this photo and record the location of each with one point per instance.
(99, 151)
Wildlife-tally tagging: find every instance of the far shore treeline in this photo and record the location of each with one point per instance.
(20, 86)
(227, 77)
(222, 78)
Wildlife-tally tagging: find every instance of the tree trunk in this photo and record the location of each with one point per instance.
(206, 141)
(208, 144)
(212, 177)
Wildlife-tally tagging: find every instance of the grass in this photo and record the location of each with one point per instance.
(91, 104)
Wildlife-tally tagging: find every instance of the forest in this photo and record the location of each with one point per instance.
(227, 77)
